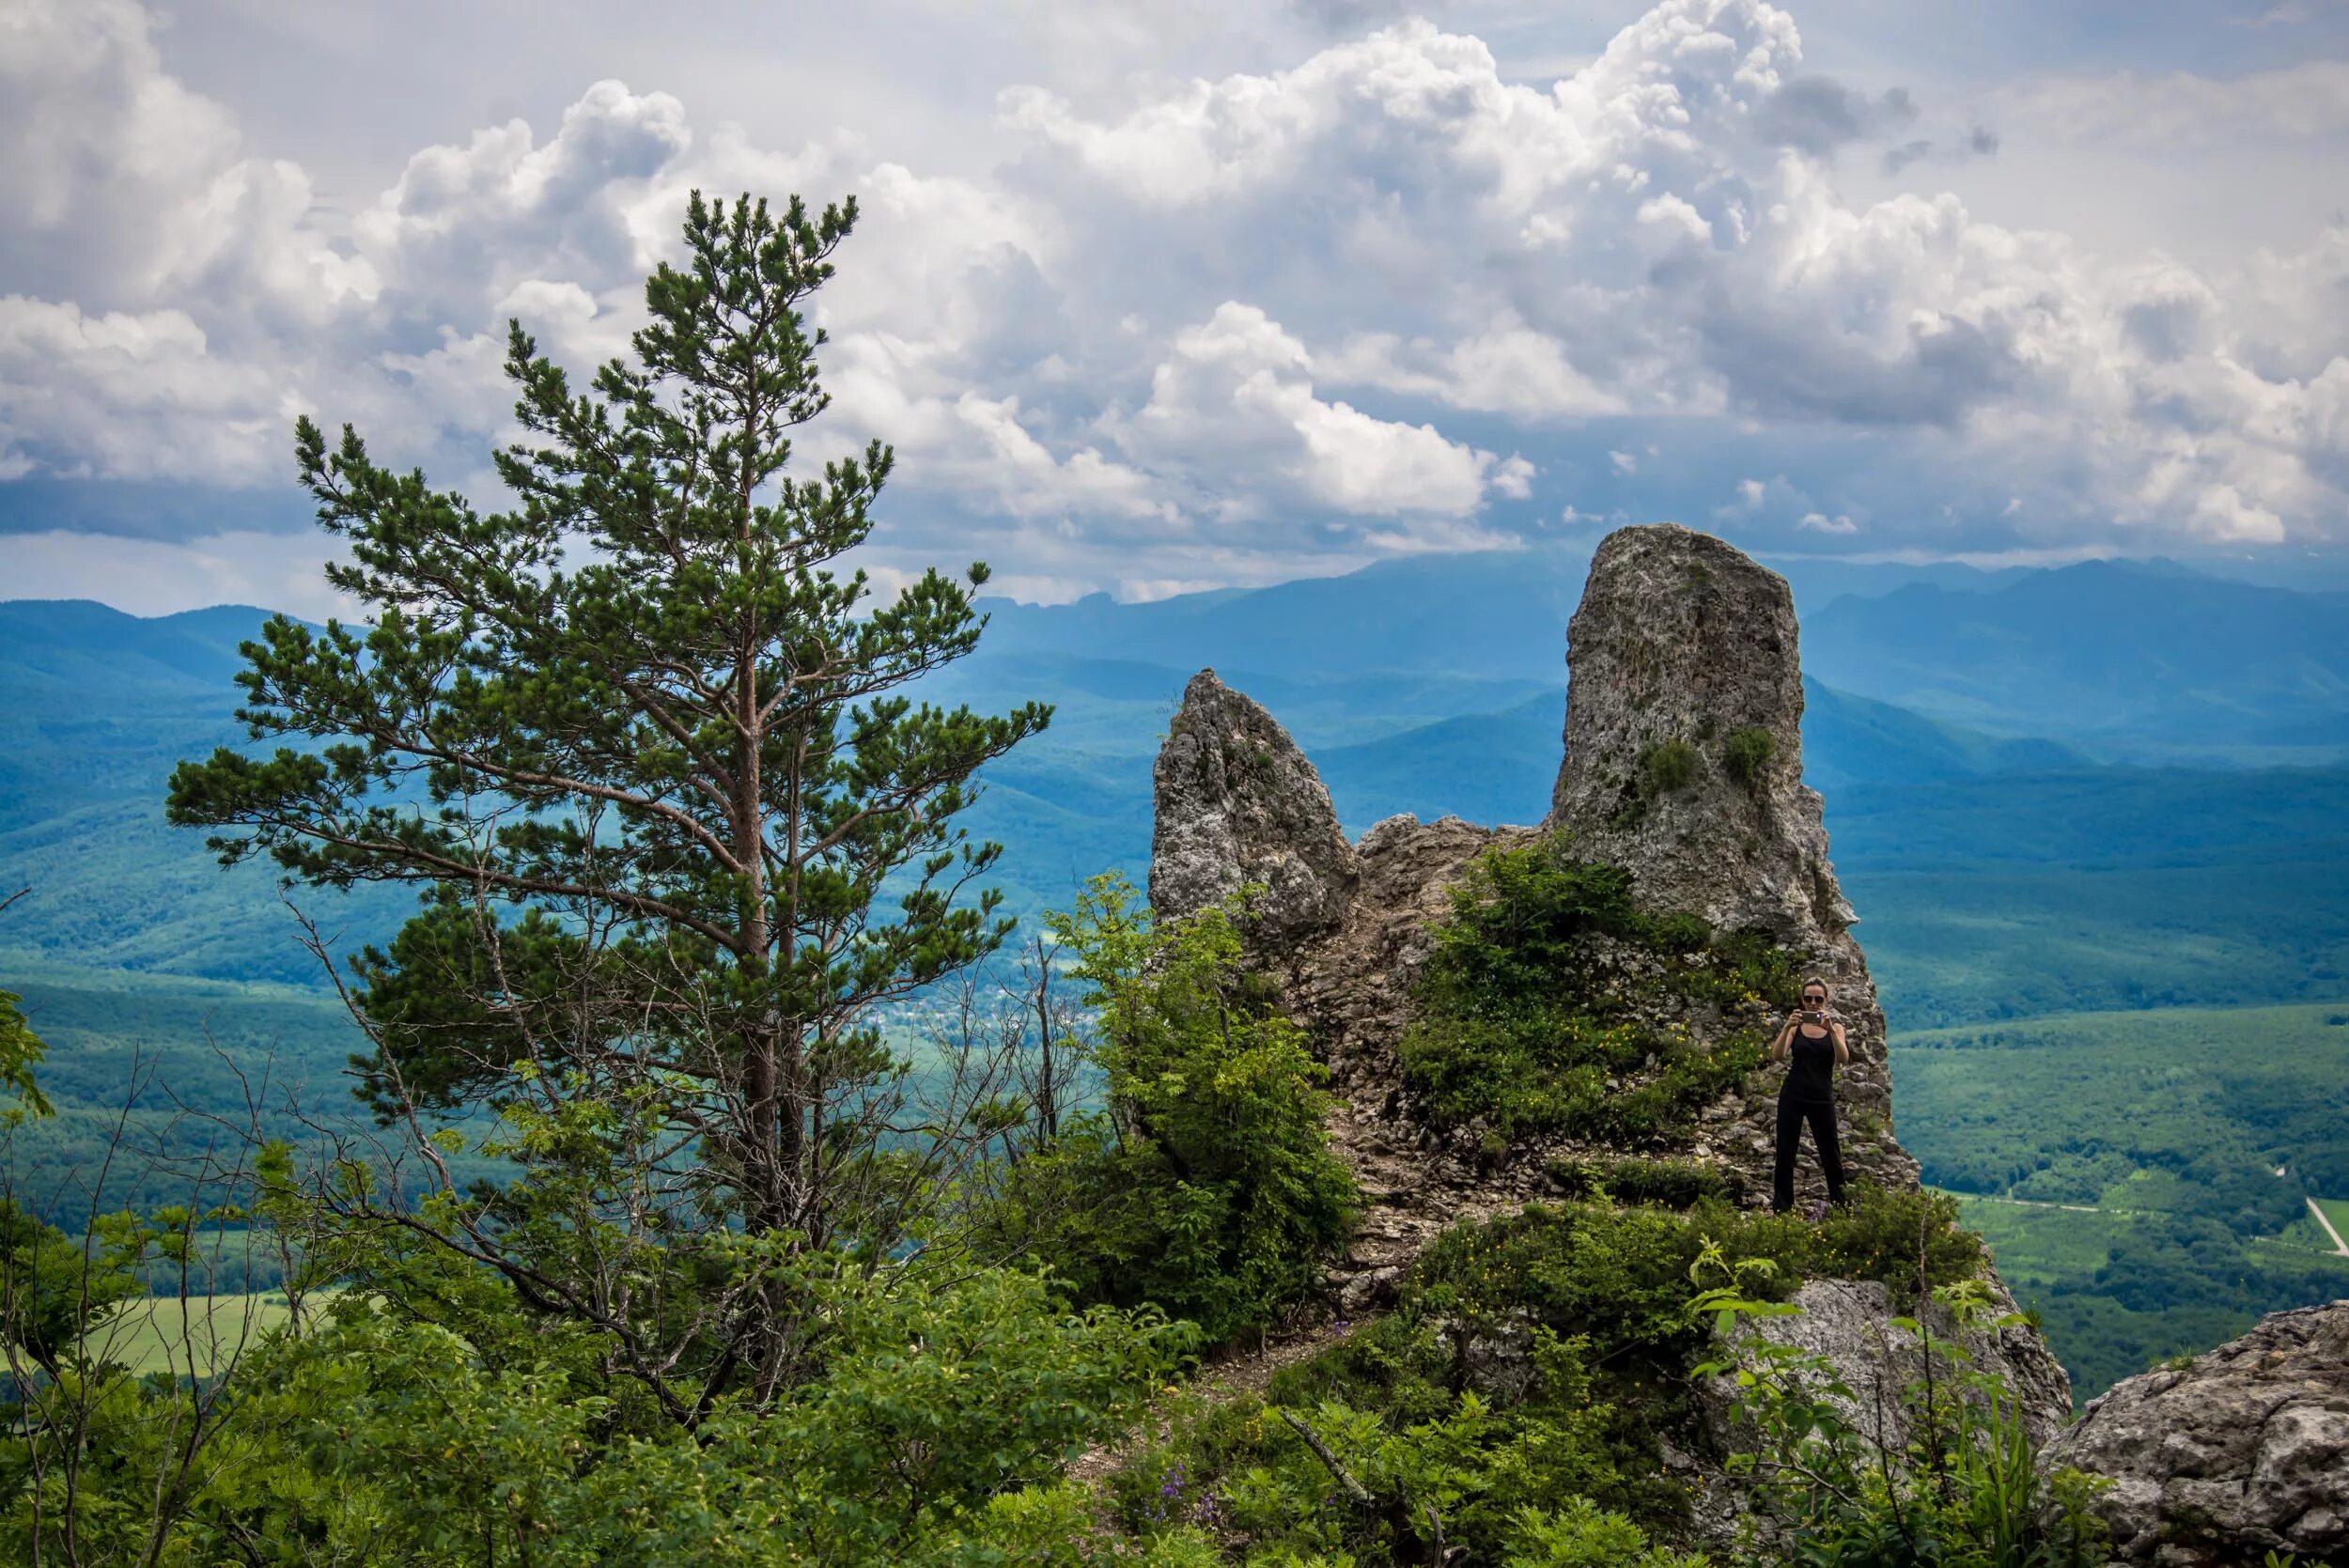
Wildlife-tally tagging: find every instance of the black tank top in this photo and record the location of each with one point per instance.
(1811, 1075)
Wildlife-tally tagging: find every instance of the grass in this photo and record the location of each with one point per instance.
(2336, 1210)
(2034, 1246)
(2112, 1108)
(162, 1334)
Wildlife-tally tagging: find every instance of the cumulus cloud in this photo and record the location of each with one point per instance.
(1241, 326)
(1238, 388)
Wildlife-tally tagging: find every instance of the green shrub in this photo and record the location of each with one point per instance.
(1206, 1187)
(1447, 1459)
(1579, 1535)
(1516, 1388)
(1520, 1027)
(1747, 752)
(1887, 1236)
(1674, 1183)
(1668, 766)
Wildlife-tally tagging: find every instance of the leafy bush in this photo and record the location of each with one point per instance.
(1579, 1535)
(1511, 1400)
(934, 1433)
(1206, 1187)
(1891, 1235)
(1520, 1025)
(1747, 752)
(1470, 1472)
(1674, 1183)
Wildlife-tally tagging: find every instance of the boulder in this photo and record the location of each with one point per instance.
(2242, 1452)
(1850, 1323)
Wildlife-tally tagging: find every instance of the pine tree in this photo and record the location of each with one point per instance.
(656, 792)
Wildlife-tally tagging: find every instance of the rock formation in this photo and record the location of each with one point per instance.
(1682, 650)
(1237, 803)
(2242, 1452)
(1684, 766)
(1679, 637)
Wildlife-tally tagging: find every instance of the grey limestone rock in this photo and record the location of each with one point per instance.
(1237, 803)
(1684, 766)
(1682, 642)
(1679, 637)
(1850, 1323)
(2242, 1452)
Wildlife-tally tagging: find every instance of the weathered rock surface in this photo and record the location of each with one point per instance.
(1850, 1323)
(1682, 639)
(1236, 804)
(2242, 1452)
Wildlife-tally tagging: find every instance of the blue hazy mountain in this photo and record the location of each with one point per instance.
(1428, 686)
(2136, 658)
(2144, 661)
(101, 705)
(1493, 614)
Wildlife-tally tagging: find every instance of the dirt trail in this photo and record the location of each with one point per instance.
(2325, 1219)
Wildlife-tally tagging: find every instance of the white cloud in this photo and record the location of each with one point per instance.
(2182, 109)
(1254, 322)
(129, 395)
(1237, 391)
(1514, 478)
(1509, 369)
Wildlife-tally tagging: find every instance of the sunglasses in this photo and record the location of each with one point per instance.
(1814, 997)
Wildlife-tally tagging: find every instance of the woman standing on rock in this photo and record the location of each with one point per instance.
(1815, 1039)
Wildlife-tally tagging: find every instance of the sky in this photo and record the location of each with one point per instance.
(1163, 295)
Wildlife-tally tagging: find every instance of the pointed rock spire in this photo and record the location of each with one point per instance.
(1237, 802)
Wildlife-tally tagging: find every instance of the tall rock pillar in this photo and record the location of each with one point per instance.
(1684, 766)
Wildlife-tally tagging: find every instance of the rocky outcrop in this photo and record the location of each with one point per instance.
(1237, 803)
(1684, 766)
(2242, 1452)
(1850, 1323)
(1682, 642)
(1682, 648)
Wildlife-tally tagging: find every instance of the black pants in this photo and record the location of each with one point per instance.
(1791, 1116)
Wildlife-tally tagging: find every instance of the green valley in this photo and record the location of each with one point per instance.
(2141, 1177)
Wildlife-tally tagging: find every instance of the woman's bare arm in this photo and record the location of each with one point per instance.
(1842, 1047)
(1785, 1038)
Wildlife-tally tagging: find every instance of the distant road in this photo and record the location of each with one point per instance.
(2036, 1204)
(2325, 1219)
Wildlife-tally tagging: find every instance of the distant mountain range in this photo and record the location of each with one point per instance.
(2129, 658)
(2136, 660)
(1429, 686)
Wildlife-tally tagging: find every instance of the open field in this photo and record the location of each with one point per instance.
(2154, 1110)
(167, 1335)
(2336, 1211)
(2142, 1178)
